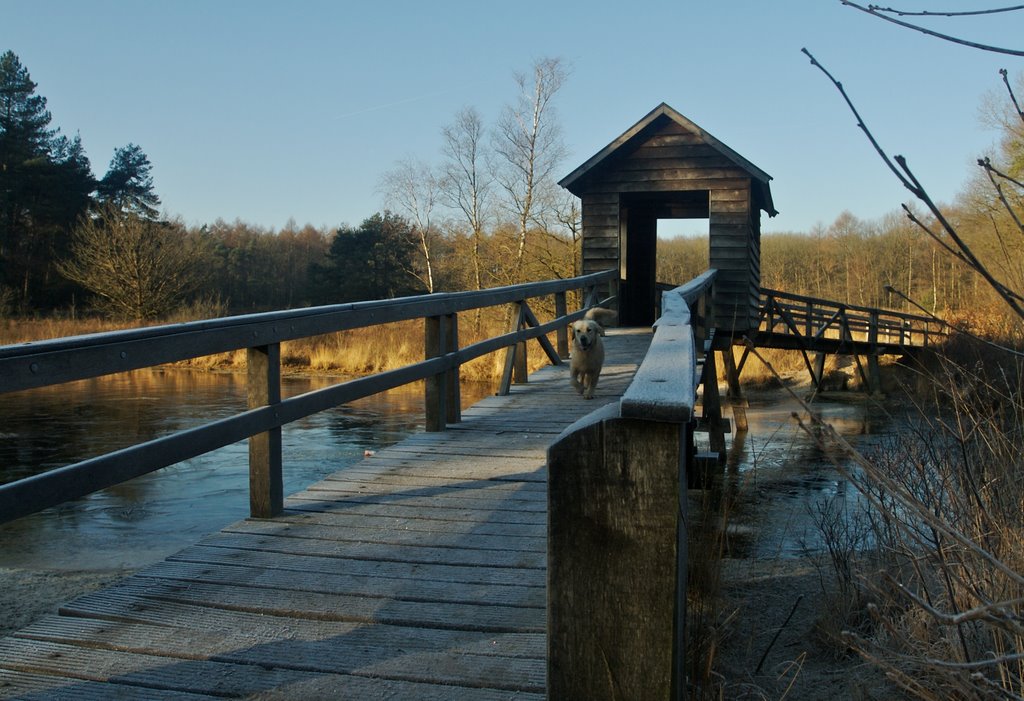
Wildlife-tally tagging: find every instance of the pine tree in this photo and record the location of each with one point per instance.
(25, 137)
(128, 183)
(374, 261)
(45, 186)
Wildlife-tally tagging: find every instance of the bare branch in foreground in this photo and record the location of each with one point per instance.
(992, 172)
(1013, 98)
(860, 122)
(910, 181)
(939, 13)
(876, 12)
(892, 290)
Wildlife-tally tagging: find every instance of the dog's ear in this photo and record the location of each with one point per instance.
(600, 329)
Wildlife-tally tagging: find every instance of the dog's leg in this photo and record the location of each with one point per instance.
(589, 382)
(574, 377)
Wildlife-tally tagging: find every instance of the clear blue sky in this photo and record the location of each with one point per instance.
(270, 111)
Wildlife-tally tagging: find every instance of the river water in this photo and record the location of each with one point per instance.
(780, 475)
(153, 516)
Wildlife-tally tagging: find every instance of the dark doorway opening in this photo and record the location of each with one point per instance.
(638, 240)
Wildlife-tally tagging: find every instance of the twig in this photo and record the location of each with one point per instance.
(777, 633)
(1013, 98)
(992, 172)
(1000, 612)
(935, 237)
(860, 122)
(938, 13)
(876, 12)
(910, 181)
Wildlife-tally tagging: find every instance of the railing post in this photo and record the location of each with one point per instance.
(453, 398)
(562, 333)
(521, 373)
(617, 559)
(266, 482)
(435, 395)
(874, 370)
(737, 401)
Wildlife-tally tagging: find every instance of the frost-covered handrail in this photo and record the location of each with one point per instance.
(665, 386)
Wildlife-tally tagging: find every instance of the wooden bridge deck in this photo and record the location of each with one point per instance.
(417, 574)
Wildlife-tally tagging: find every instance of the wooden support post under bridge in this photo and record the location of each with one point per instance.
(736, 399)
(712, 417)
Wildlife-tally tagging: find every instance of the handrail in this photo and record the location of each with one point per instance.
(766, 292)
(44, 363)
(665, 385)
(810, 319)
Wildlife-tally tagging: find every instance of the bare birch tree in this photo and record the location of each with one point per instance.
(465, 184)
(528, 147)
(412, 188)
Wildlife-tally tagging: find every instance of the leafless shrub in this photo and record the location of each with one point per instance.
(136, 268)
(943, 587)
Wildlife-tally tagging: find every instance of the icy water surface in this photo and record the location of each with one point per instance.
(781, 475)
(157, 514)
(778, 469)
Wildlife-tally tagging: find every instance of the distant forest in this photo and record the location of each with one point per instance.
(486, 215)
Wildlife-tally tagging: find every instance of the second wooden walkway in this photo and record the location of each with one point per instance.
(417, 574)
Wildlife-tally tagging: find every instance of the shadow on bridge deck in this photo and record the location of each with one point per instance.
(416, 574)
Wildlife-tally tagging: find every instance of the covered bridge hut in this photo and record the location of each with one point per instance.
(667, 167)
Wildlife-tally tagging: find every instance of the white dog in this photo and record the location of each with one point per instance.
(587, 355)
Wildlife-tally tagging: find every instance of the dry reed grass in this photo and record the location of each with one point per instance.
(937, 602)
(14, 331)
(708, 620)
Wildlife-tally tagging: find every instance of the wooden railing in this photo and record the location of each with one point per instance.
(812, 318)
(44, 363)
(819, 326)
(617, 484)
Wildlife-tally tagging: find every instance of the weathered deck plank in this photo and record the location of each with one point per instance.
(417, 574)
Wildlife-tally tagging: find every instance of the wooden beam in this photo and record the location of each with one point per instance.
(266, 482)
(435, 395)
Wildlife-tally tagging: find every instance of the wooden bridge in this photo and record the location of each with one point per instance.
(473, 561)
(532, 546)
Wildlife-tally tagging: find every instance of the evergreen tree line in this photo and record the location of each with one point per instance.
(46, 188)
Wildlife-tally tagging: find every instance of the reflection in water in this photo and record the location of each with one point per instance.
(155, 515)
(777, 475)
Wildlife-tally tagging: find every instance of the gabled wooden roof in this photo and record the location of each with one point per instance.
(600, 159)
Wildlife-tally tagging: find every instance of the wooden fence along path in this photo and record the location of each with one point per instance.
(418, 573)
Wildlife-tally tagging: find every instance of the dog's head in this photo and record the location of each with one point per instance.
(585, 333)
